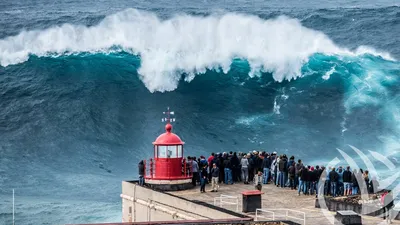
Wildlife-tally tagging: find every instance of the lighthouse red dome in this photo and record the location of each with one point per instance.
(168, 138)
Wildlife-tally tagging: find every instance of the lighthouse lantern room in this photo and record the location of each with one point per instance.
(168, 170)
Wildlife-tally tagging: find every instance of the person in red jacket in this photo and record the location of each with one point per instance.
(210, 163)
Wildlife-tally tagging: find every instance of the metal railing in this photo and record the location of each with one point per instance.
(227, 200)
(287, 214)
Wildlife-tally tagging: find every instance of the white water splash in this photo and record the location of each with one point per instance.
(276, 107)
(328, 74)
(183, 44)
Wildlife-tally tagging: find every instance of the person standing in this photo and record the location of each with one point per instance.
(305, 177)
(283, 171)
(299, 166)
(228, 170)
(301, 181)
(354, 183)
(141, 173)
(251, 167)
(333, 177)
(273, 167)
(313, 180)
(317, 175)
(234, 167)
(288, 164)
(292, 171)
(366, 182)
(387, 203)
(266, 164)
(327, 187)
(340, 188)
(210, 163)
(239, 169)
(195, 170)
(214, 178)
(373, 185)
(347, 181)
(221, 167)
(244, 163)
(279, 173)
(203, 177)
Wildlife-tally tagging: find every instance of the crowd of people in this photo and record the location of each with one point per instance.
(261, 168)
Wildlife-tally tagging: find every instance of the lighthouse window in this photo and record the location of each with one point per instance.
(179, 150)
(171, 151)
(162, 152)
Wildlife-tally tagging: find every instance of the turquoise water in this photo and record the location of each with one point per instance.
(83, 86)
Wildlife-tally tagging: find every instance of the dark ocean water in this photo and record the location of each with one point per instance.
(83, 85)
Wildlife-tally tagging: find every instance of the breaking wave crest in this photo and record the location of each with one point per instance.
(184, 44)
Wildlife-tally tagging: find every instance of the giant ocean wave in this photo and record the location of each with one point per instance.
(185, 44)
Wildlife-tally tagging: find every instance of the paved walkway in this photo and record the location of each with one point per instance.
(273, 198)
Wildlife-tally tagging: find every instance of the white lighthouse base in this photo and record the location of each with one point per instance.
(169, 185)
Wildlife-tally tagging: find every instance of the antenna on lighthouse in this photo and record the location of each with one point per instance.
(168, 118)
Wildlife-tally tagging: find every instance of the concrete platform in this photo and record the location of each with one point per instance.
(273, 198)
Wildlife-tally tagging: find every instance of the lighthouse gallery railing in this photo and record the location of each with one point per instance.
(150, 169)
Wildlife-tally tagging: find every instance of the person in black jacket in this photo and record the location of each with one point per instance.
(298, 167)
(354, 183)
(235, 166)
(227, 170)
(203, 177)
(221, 168)
(305, 178)
(313, 180)
(141, 173)
(292, 175)
(251, 167)
(259, 162)
(283, 171)
(333, 178)
(387, 203)
(373, 186)
(347, 181)
(266, 165)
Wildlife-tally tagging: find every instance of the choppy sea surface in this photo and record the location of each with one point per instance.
(83, 85)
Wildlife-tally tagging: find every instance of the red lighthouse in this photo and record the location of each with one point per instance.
(168, 170)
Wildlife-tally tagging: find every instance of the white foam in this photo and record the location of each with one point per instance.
(183, 44)
(329, 73)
